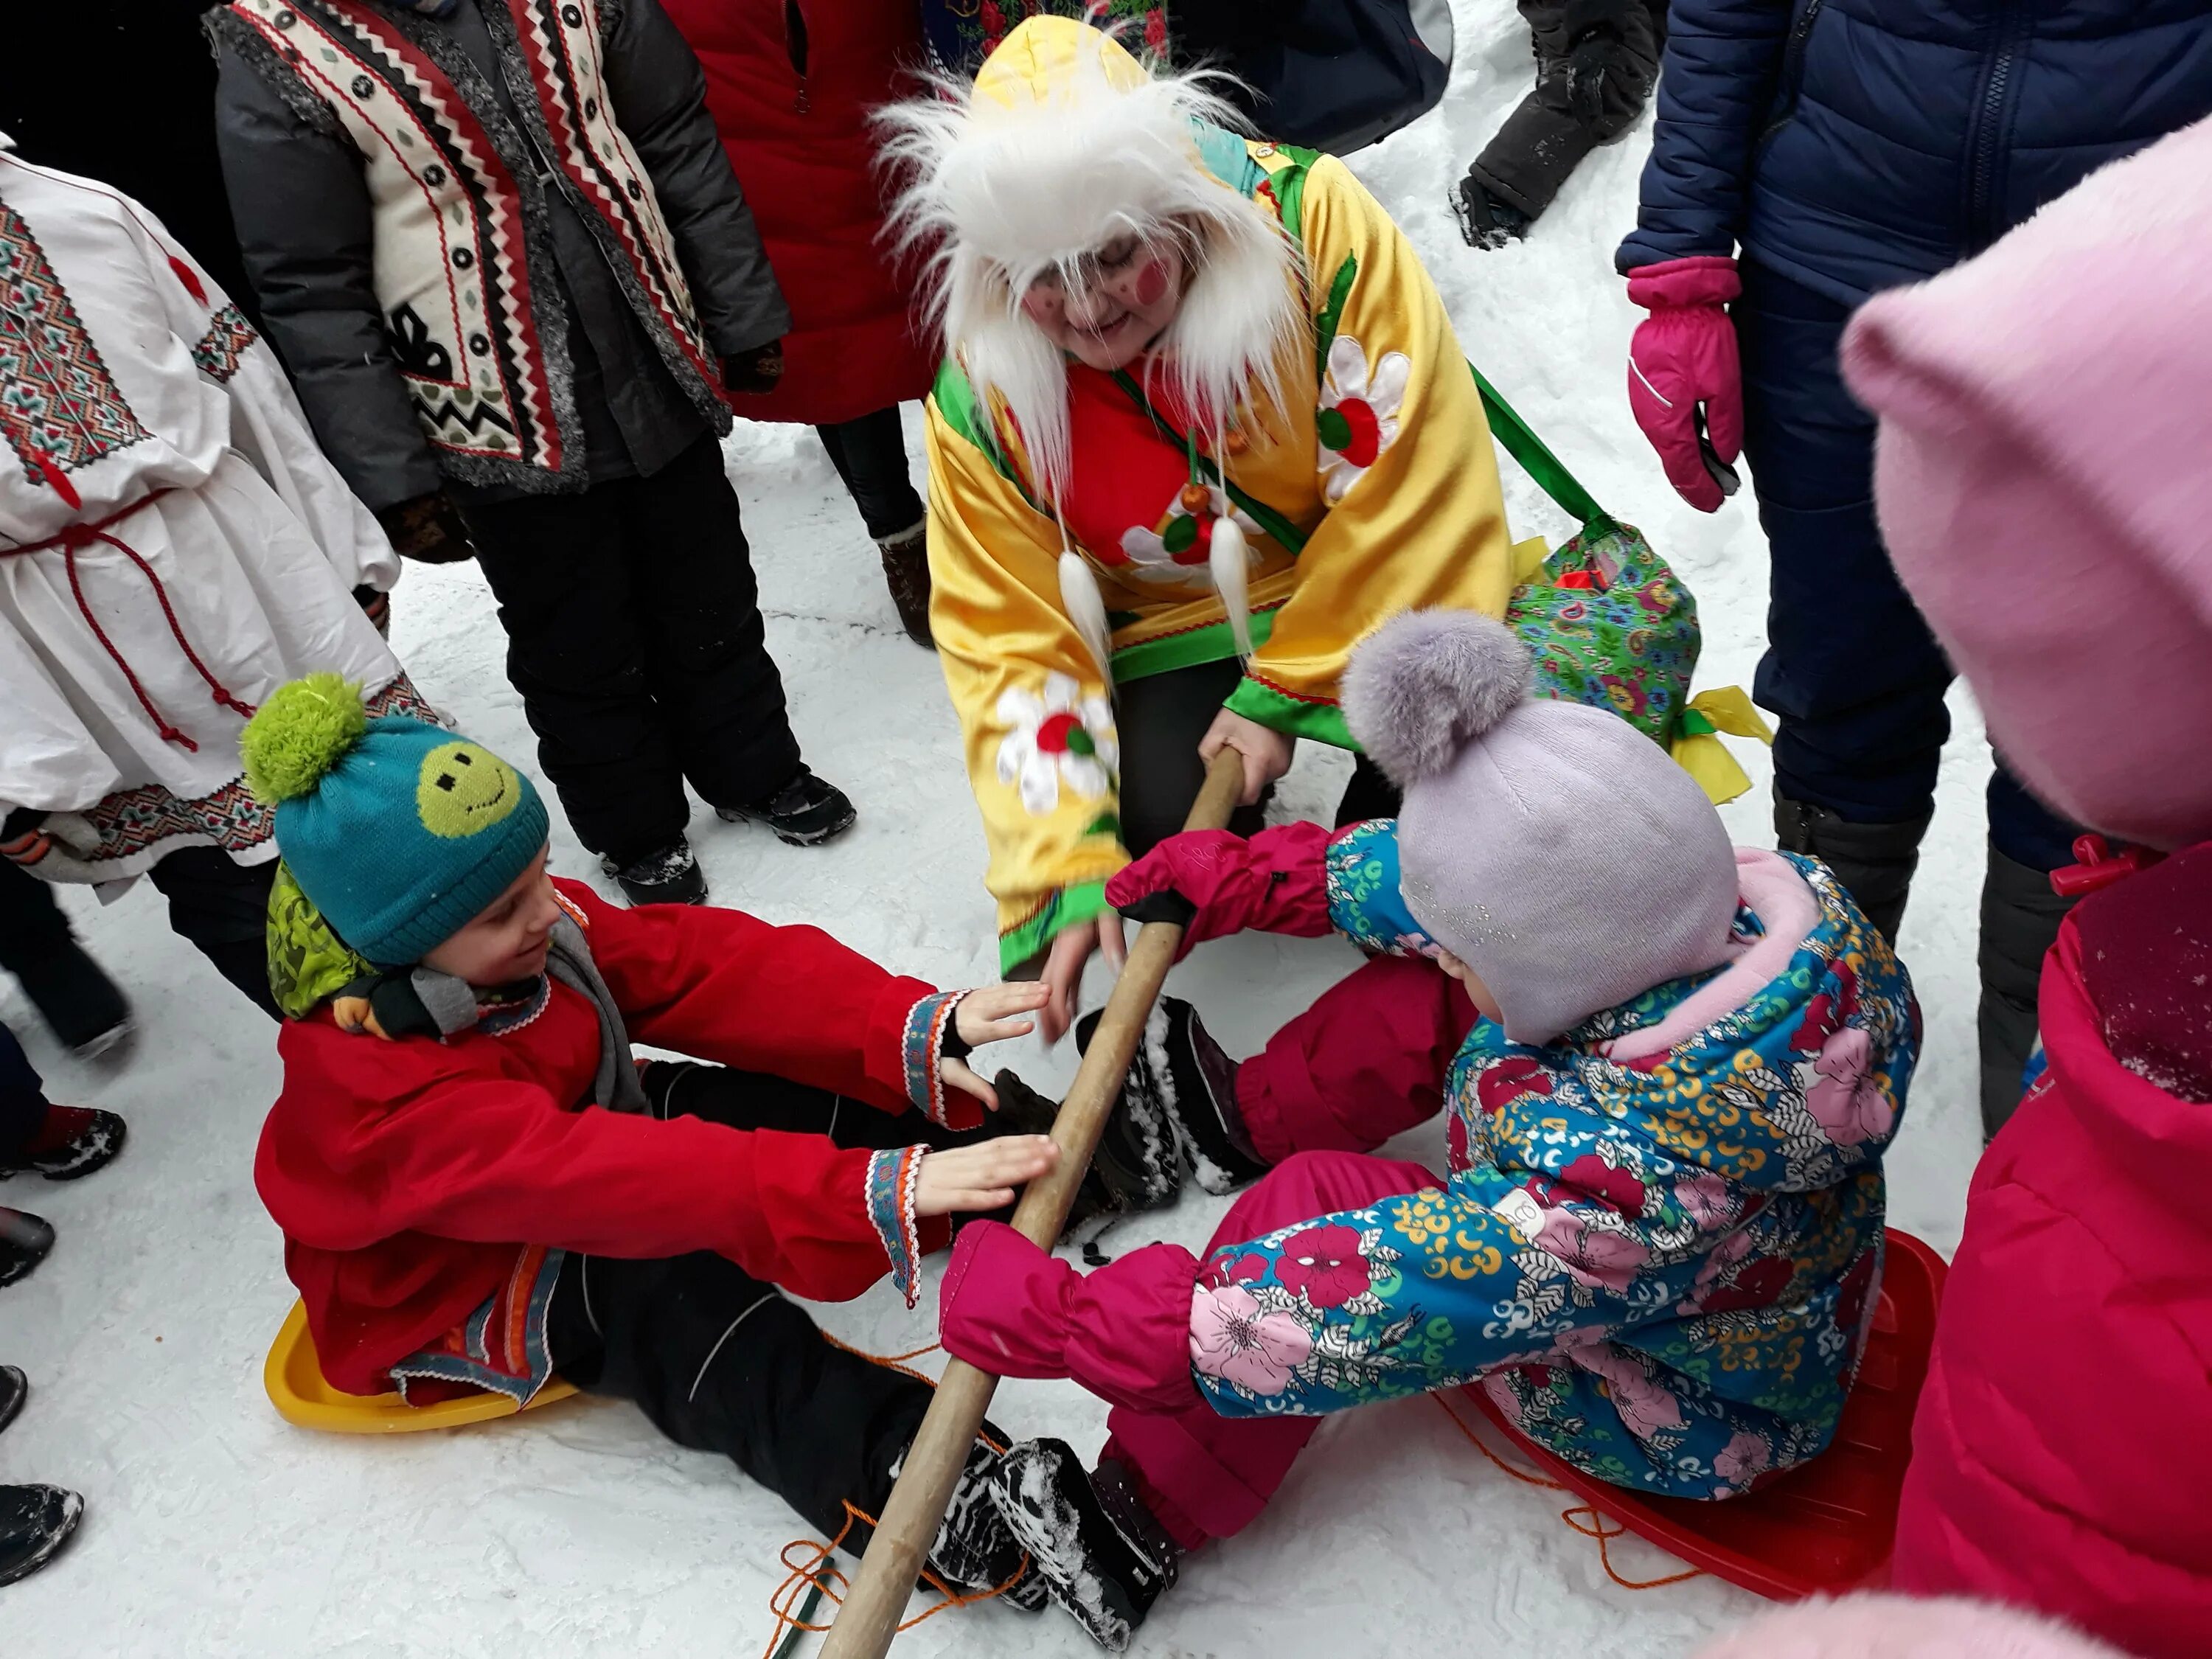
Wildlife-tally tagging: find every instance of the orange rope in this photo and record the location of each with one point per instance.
(1599, 1525)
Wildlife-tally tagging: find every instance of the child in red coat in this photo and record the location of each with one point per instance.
(478, 1189)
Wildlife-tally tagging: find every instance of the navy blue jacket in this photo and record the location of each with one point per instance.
(1856, 144)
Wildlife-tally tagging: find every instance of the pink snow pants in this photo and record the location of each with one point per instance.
(1366, 1062)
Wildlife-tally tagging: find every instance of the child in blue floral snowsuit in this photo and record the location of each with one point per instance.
(1659, 1241)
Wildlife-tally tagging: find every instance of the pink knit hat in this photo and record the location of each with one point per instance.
(1902, 1627)
(1553, 849)
(2043, 475)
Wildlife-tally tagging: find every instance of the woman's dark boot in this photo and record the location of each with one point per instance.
(2020, 917)
(1873, 861)
(906, 571)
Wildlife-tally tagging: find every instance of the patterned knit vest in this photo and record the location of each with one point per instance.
(464, 269)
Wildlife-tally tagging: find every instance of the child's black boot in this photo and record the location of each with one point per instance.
(1183, 1074)
(1100, 1554)
(1134, 1167)
(975, 1552)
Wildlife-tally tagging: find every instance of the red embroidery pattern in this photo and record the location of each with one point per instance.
(220, 349)
(58, 405)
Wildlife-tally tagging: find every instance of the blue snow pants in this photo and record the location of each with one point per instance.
(1851, 672)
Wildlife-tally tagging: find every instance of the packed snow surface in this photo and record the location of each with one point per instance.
(214, 1528)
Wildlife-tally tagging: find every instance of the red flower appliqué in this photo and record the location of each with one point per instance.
(1501, 1084)
(1601, 1181)
(1756, 1286)
(1324, 1264)
(1155, 32)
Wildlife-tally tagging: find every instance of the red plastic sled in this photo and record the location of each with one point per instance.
(1827, 1527)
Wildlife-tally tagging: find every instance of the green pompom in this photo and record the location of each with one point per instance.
(300, 733)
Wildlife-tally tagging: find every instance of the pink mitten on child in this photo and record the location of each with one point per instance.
(1275, 881)
(1683, 355)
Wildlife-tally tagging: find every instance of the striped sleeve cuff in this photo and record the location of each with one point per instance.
(922, 1049)
(892, 1176)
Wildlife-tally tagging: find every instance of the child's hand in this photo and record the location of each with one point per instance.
(971, 1180)
(990, 1015)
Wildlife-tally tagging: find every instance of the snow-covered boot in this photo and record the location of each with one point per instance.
(1873, 861)
(806, 812)
(1125, 1172)
(2020, 916)
(35, 1522)
(672, 876)
(906, 572)
(1182, 1075)
(74, 1140)
(1101, 1555)
(24, 1241)
(14, 1388)
(976, 1551)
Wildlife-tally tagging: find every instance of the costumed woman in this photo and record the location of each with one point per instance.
(1172, 468)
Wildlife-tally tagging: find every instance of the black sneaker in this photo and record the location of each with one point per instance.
(1192, 1085)
(35, 1522)
(975, 1552)
(672, 876)
(24, 1241)
(14, 1388)
(80, 1004)
(1100, 1555)
(804, 812)
(73, 1141)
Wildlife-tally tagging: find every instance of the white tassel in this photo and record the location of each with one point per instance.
(1086, 608)
(1230, 559)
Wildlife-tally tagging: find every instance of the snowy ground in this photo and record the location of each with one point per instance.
(213, 1528)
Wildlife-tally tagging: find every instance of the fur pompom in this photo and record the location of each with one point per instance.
(303, 730)
(1428, 682)
(1229, 561)
(1086, 608)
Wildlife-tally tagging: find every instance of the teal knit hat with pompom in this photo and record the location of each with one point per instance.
(398, 831)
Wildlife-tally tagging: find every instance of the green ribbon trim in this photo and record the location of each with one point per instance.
(1321, 721)
(1063, 909)
(1211, 643)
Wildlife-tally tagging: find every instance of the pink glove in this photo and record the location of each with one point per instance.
(1276, 882)
(1683, 357)
(1015, 1309)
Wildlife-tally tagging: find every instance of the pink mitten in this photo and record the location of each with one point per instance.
(1013, 1309)
(1684, 356)
(1276, 882)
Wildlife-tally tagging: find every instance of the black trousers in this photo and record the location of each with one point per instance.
(870, 456)
(1597, 61)
(217, 905)
(22, 1097)
(1160, 720)
(721, 1361)
(635, 636)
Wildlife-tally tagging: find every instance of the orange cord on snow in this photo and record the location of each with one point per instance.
(816, 1572)
(1584, 1518)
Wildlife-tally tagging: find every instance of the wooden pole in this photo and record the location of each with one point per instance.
(870, 1617)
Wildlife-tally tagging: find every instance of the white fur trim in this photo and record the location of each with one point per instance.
(1229, 558)
(1086, 608)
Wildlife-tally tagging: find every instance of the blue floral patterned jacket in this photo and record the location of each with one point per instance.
(1662, 1270)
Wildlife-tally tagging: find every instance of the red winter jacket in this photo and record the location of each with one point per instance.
(2062, 1457)
(790, 84)
(405, 1173)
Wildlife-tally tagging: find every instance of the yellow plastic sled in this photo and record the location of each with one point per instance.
(293, 1377)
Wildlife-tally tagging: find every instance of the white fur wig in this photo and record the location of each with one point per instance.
(1064, 143)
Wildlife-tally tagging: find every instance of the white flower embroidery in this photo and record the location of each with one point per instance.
(1152, 560)
(1063, 736)
(1358, 417)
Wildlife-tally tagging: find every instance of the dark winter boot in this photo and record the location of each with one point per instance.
(35, 1522)
(1180, 1074)
(74, 1140)
(672, 876)
(1486, 219)
(14, 1388)
(24, 1241)
(906, 572)
(1101, 1555)
(1134, 1169)
(804, 812)
(976, 1551)
(2020, 924)
(1873, 861)
(80, 1004)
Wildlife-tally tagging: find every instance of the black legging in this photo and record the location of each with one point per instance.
(870, 456)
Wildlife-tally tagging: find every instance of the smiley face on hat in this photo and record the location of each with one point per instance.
(464, 789)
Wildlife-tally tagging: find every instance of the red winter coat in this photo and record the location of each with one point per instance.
(405, 1173)
(799, 139)
(2062, 1458)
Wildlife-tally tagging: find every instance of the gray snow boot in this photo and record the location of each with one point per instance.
(1873, 861)
(2020, 924)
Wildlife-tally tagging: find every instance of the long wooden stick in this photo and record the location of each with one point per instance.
(870, 1617)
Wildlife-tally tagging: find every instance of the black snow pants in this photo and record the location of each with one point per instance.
(1595, 64)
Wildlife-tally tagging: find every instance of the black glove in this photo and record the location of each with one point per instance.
(756, 372)
(428, 529)
(1485, 219)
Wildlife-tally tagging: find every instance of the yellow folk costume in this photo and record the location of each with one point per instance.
(1347, 519)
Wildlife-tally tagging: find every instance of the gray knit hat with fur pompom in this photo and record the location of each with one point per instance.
(1553, 849)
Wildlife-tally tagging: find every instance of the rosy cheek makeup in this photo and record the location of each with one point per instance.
(1151, 282)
